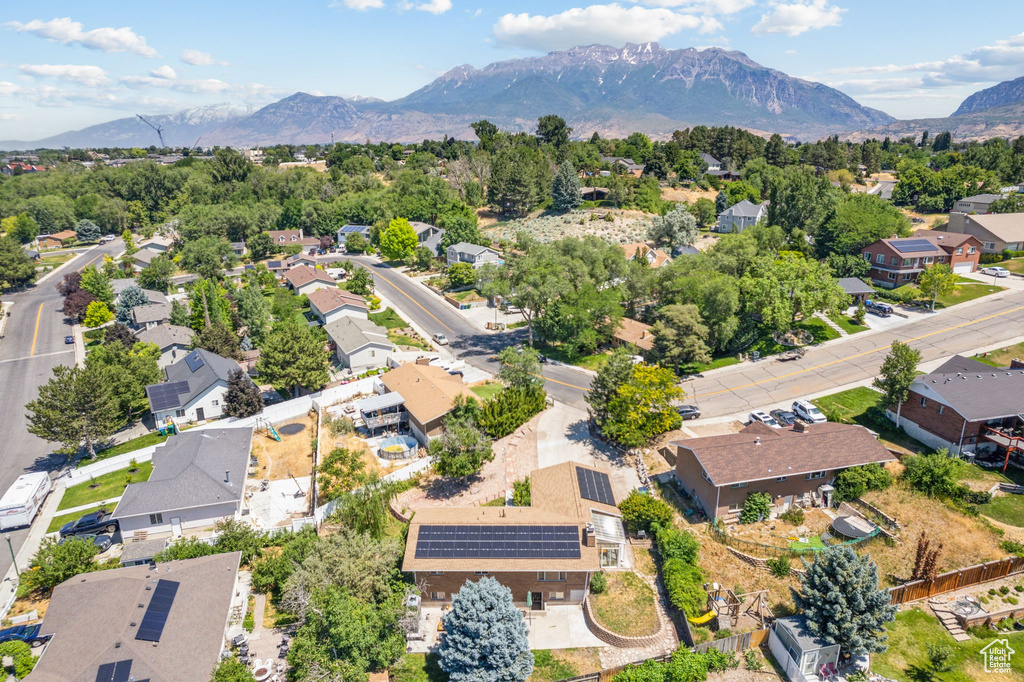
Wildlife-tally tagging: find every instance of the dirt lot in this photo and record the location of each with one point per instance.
(686, 194)
(966, 541)
(293, 456)
(725, 568)
(625, 227)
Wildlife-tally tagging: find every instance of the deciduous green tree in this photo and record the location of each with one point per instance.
(97, 314)
(98, 284)
(16, 268)
(612, 374)
(158, 275)
(938, 280)
(75, 408)
(642, 408)
(207, 257)
(292, 357)
(680, 336)
(784, 288)
(520, 368)
(897, 374)
(676, 228)
(24, 229)
(126, 371)
(54, 562)
(398, 240)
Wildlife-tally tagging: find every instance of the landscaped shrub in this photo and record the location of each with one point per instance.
(510, 409)
(1004, 590)
(853, 482)
(684, 584)
(521, 493)
(793, 515)
(724, 633)
(1012, 547)
(779, 566)
(719, 661)
(938, 655)
(21, 654)
(676, 544)
(599, 583)
(640, 511)
(935, 475)
(754, 662)
(757, 506)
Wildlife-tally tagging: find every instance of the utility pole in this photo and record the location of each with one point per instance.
(14, 561)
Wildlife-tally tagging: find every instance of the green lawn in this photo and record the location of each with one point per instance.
(107, 486)
(418, 668)
(388, 319)
(862, 405)
(517, 325)
(487, 391)
(966, 292)
(700, 368)
(1002, 356)
(1013, 265)
(813, 542)
(57, 521)
(467, 296)
(154, 438)
(847, 323)
(907, 656)
(594, 362)
(973, 472)
(405, 340)
(56, 260)
(1007, 509)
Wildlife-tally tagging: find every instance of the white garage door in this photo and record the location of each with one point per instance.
(962, 268)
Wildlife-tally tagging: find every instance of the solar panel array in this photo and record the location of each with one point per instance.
(115, 672)
(152, 625)
(498, 542)
(194, 360)
(165, 396)
(912, 245)
(347, 229)
(595, 486)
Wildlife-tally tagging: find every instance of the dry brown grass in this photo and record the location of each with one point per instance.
(292, 456)
(965, 541)
(582, 661)
(726, 569)
(29, 603)
(687, 195)
(626, 606)
(643, 562)
(780, 533)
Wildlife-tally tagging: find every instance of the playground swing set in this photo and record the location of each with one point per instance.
(265, 425)
(724, 607)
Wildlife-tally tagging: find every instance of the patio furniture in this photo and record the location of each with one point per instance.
(832, 670)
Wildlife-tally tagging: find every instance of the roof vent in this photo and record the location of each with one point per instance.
(117, 645)
(757, 441)
(227, 477)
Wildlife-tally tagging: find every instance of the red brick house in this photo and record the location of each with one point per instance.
(719, 472)
(548, 551)
(966, 405)
(899, 260)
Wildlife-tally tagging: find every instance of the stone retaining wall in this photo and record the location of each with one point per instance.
(614, 639)
(759, 563)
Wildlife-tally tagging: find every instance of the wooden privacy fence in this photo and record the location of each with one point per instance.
(954, 580)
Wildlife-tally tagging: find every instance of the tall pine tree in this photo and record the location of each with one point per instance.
(292, 357)
(565, 192)
(76, 409)
(243, 398)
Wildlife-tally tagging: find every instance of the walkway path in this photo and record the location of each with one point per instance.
(83, 507)
(827, 320)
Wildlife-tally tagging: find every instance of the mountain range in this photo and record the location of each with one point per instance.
(597, 88)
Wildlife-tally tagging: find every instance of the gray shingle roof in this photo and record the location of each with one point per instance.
(975, 390)
(710, 160)
(151, 312)
(470, 249)
(853, 285)
(142, 550)
(745, 208)
(213, 368)
(989, 198)
(167, 335)
(146, 255)
(796, 626)
(352, 333)
(94, 618)
(189, 471)
(119, 285)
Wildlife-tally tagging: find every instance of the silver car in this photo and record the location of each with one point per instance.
(995, 271)
(441, 339)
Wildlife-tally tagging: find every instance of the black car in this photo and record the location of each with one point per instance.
(97, 522)
(22, 633)
(69, 340)
(878, 308)
(688, 411)
(101, 541)
(784, 417)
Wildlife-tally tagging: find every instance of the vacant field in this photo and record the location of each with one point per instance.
(626, 606)
(293, 456)
(965, 541)
(907, 656)
(625, 227)
(689, 195)
(723, 567)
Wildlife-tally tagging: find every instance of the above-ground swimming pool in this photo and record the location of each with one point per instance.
(398, 447)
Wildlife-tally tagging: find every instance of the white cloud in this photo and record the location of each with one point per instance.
(613, 24)
(8, 88)
(11, 117)
(85, 74)
(200, 58)
(704, 6)
(799, 17)
(360, 5)
(434, 6)
(164, 71)
(69, 32)
(474, 13)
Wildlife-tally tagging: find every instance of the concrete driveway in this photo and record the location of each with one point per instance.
(560, 627)
(562, 436)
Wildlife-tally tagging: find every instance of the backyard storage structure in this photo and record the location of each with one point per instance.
(803, 655)
(23, 500)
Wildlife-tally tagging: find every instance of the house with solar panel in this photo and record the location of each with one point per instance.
(900, 260)
(345, 230)
(194, 390)
(157, 623)
(198, 479)
(545, 554)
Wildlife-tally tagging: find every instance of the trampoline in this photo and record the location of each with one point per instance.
(852, 527)
(291, 429)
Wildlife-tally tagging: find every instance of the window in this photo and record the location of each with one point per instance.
(739, 485)
(940, 408)
(436, 573)
(216, 402)
(907, 276)
(780, 479)
(959, 250)
(892, 275)
(154, 519)
(704, 475)
(867, 256)
(373, 353)
(479, 572)
(815, 475)
(990, 246)
(556, 596)
(735, 506)
(437, 596)
(924, 401)
(551, 576)
(880, 259)
(907, 262)
(894, 261)
(971, 250)
(179, 413)
(928, 260)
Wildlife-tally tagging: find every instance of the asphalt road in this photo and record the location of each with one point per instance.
(32, 346)
(744, 387)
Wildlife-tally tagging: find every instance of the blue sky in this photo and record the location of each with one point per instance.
(69, 65)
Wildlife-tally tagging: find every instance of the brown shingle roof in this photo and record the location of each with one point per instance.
(285, 236)
(635, 333)
(301, 275)
(556, 489)
(94, 617)
(760, 452)
(62, 235)
(640, 249)
(429, 391)
(327, 300)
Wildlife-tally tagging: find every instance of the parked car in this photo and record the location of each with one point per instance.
(995, 271)
(23, 633)
(878, 308)
(101, 541)
(764, 418)
(441, 339)
(68, 340)
(688, 411)
(107, 238)
(784, 417)
(808, 412)
(93, 523)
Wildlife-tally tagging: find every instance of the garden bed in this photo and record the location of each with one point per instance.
(626, 607)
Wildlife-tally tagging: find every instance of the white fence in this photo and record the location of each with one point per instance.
(275, 414)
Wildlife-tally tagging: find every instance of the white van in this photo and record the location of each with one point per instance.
(23, 500)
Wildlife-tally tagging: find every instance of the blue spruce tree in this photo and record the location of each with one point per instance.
(485, 636)
(131, 297)
(565, 191)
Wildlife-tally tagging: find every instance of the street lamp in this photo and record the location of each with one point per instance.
(14, 561)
